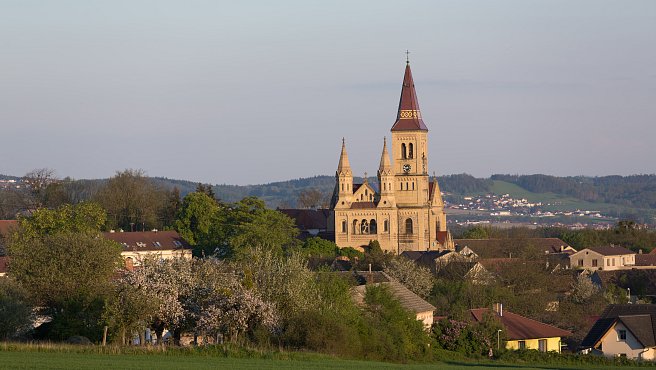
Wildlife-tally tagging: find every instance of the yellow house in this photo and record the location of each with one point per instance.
(524, 333)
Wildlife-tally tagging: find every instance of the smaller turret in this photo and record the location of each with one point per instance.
(386, 179)
(344, 183)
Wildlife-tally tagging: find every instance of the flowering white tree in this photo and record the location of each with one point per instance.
(285, 281)
(416, 278)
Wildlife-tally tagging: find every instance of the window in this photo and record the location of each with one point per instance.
(542, 345)
(607, 262)
(386, 226)
(413, 185)
(621, 334)
(364, 227)
(613, 261)
(594, 262)
(411, 153)
(581, 262)
(408, 226)
(373, 228)
(344, 226)
(403, 151)
(521, 344)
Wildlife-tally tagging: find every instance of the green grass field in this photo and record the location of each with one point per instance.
(79, 361)
(79, 358)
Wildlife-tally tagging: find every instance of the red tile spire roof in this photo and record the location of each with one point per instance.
(409, 117)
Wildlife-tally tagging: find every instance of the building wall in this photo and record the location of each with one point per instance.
(164, 254)
(553, 344)
(607, 263)
(426, 318)
(612, 346)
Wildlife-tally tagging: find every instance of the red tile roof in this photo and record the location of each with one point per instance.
(518, 327)
(645, 260)
(148, 240)
(363, 205)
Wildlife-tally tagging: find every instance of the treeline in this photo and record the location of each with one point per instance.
(635, 190)
(625, 233)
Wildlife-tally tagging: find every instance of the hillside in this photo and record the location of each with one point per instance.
(620, 196)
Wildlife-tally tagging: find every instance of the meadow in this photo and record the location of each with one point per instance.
(57, 356)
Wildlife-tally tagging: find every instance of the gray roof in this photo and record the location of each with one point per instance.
(408, 300)
(638, 318)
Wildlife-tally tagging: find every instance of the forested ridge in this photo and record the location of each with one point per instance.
(637, 191)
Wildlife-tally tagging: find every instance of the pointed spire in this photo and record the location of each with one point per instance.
(385, 163)
(343, 166)
(408, 116)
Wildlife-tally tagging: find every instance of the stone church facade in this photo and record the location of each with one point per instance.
(406, 211)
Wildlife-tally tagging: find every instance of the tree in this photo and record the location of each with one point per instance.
(249, 224)
(318, 247)
(311, 199)
(64, 265)
(15, 310)
(196, 219)
(583, 289)
(416, 278)
(132, 201)
(169, 210)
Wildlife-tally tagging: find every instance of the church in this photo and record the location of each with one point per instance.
(406, 211)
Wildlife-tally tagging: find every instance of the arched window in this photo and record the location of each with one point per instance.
(355, 226)
(372, 227)
(408, 226)
(404, 154)
(364, 227)
(411, 152)
(344, 226)
(342, 187)
(386, 226)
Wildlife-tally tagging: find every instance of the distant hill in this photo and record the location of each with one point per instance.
(626, 196)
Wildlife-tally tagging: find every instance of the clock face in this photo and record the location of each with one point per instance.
(406, 168)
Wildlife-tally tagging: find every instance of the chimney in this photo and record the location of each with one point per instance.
(369, 278)
(498, 308)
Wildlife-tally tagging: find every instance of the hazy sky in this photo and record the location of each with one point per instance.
(244, 92)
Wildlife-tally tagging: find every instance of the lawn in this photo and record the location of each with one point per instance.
(25, 359)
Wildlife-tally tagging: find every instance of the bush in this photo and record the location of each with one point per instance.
(15, 312)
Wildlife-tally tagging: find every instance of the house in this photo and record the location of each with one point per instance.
(603, 258)
(136, 245)
(624, 330)
(410, 301)
(523, 333)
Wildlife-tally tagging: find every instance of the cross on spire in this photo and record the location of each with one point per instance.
(407, 56)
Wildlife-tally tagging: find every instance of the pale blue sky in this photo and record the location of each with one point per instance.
(252, 92)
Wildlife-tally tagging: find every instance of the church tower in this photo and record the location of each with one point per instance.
(406, 212)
